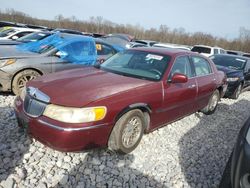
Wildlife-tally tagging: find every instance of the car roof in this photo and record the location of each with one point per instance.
(24, 29)
(164, 51)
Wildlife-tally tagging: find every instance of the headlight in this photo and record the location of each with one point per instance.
(6, 62)
(75, 115)
(233, 79)
(23, 93)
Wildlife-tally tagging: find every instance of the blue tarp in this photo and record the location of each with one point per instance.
(72, 48)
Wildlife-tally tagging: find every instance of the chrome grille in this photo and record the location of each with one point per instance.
(34, 103)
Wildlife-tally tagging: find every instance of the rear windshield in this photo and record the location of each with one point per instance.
(228, 61)
(201, 49)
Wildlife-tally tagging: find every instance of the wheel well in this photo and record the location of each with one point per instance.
(40, 72)
(143, 107)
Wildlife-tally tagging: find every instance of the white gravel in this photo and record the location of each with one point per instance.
(189, 153)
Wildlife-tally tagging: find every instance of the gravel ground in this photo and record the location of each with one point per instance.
(189, 153)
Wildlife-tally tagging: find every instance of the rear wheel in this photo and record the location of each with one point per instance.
(127, 132)
(237, 92)
(20, 80)
(212, 104)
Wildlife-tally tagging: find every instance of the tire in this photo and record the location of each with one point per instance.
(121, 135)
(212, 104)
(226, 177)
(22, 78)
(237, 92)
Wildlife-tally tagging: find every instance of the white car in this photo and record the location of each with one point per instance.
(208, 50)
(169, 45)
(16, 32)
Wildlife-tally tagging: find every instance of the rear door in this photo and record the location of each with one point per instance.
(205, 78)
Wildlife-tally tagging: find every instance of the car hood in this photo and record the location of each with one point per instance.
(230, 72)
(79, 87)
(10, 51)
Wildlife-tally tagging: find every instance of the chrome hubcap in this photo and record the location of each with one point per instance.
(131, 132)
(24, 79)
(214, 102)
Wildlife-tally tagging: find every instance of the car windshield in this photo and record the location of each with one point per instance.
(33, 37)
(7, 32)
(138, 64)
(229, 61)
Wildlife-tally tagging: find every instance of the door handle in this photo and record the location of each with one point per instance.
(192, 86)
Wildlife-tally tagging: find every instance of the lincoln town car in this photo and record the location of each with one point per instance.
(113, 104)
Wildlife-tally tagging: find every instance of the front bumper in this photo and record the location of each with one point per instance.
(60, 137)
(240, 168)
(232, 86)
(5, 81)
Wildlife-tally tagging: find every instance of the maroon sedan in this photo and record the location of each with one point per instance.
(114, 104)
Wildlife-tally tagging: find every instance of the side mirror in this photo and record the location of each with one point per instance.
(61, 54)
(14, 37)
(179, 78)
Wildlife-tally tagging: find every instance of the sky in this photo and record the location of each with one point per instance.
(221, 18)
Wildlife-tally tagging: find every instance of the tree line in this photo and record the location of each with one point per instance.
(162, 34)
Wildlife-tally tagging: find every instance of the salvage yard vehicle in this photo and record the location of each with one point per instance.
(237, 69)
(208, 50)
(27, 38)
(16, 32)
(26, 62)
(55, 53)
(237, 171)
(113, 104)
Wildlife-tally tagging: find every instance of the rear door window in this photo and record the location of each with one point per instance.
(201, 66)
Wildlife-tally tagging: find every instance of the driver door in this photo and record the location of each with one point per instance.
(179, 98)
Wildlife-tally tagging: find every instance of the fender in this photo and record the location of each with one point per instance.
(145, 108)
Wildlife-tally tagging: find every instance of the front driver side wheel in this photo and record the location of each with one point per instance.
(127, 132)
